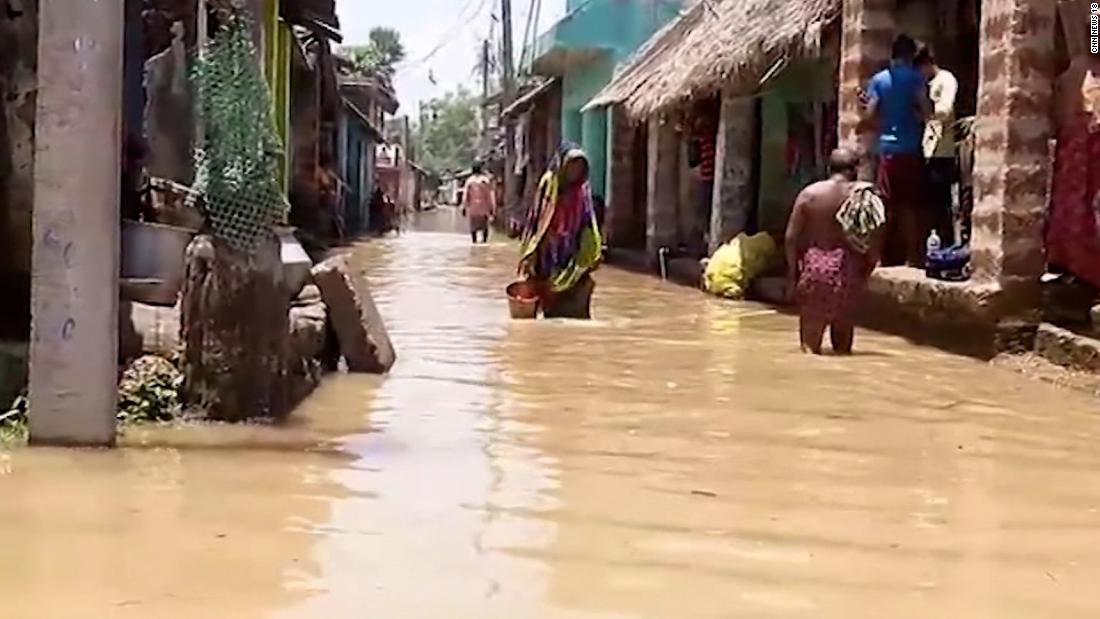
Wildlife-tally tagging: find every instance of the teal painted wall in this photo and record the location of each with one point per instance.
(619, 26)
(594, 142)
(588, 129)
(613, 29)
(802, 82)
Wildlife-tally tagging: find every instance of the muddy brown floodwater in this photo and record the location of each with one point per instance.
(675, 458)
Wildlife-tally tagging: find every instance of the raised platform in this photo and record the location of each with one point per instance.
(685, 271)
(1067, 348)
(963, 317)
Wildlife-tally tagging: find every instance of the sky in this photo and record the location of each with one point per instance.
(442, 38)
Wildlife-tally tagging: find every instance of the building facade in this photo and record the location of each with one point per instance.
(772, 79)
(582, 51)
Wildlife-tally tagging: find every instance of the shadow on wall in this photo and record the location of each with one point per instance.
(18, 59)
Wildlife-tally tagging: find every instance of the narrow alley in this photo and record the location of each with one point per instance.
(675, 458)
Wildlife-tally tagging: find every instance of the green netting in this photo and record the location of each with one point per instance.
(237, 165)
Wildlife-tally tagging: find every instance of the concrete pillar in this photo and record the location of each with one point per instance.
(571, 126)
(594, 143)
(662, 183)
(1012, 164)
(867, 29)
(620, 178)
(259, 10)
(734, 193)
(74, 323)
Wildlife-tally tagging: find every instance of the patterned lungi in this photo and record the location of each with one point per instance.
(830, 284)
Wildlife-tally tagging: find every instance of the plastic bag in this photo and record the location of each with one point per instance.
(734, 265)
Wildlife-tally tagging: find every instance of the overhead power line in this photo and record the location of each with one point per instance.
(449, 35)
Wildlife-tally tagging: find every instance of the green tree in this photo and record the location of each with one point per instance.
(447, 137)
(387, 44)
(381, 54)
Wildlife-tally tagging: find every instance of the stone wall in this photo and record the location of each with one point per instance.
(662, 180)
(1012, 166)
(235, 332)
(618, 223)
(734, 194)
(867, 29)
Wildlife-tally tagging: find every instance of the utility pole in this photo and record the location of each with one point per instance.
(510, 198)
(484, 97)
(422, 112)
(74, 286)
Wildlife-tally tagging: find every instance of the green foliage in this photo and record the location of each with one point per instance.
(13, 422)
(149, 391)
(365, 58)
(387, 43)
(447, 138)
(380, 55)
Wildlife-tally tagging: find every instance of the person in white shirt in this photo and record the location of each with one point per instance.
(940, 150)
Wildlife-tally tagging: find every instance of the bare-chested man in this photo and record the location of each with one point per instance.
(827, 274)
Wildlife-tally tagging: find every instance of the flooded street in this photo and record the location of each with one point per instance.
(675, 458)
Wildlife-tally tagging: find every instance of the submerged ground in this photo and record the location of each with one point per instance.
(675, 458)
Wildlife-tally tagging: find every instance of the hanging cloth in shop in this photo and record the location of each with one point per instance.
(522, 153)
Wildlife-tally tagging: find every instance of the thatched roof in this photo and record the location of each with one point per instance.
(317, 15)
(643, 65)
(527, 100)
(718, 44)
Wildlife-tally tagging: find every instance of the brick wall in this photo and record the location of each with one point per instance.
(867, 29)
(1012, 165)
(734, 193)
(620, 218)
(662, 181)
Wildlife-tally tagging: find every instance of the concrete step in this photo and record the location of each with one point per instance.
(1067, 348)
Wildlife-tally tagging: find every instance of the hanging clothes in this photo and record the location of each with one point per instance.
(1073, 233)
(1073, 224)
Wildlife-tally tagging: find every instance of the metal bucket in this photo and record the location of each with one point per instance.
(154, 252)
(523, 301)
(150, 291)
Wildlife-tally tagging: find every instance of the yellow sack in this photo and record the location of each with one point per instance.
(734, 265)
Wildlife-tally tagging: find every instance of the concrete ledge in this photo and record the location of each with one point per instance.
(1068, 349)
(685, 271)
(963, 317)
(634, 260)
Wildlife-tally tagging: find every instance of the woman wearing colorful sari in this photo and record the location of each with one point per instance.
(561, 240)
(1073, 232)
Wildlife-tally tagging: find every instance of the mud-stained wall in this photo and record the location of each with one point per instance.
(18, 59)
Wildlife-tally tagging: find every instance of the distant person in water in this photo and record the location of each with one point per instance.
(561, 239)
(832, 245)
(479, 203)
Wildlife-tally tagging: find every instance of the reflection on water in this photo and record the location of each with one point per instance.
(675, 458)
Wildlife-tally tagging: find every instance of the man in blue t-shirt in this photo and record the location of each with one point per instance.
(897, 99)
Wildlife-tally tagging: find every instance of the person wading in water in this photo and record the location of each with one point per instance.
(479, 203)
(561, 240)
(832, 246)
